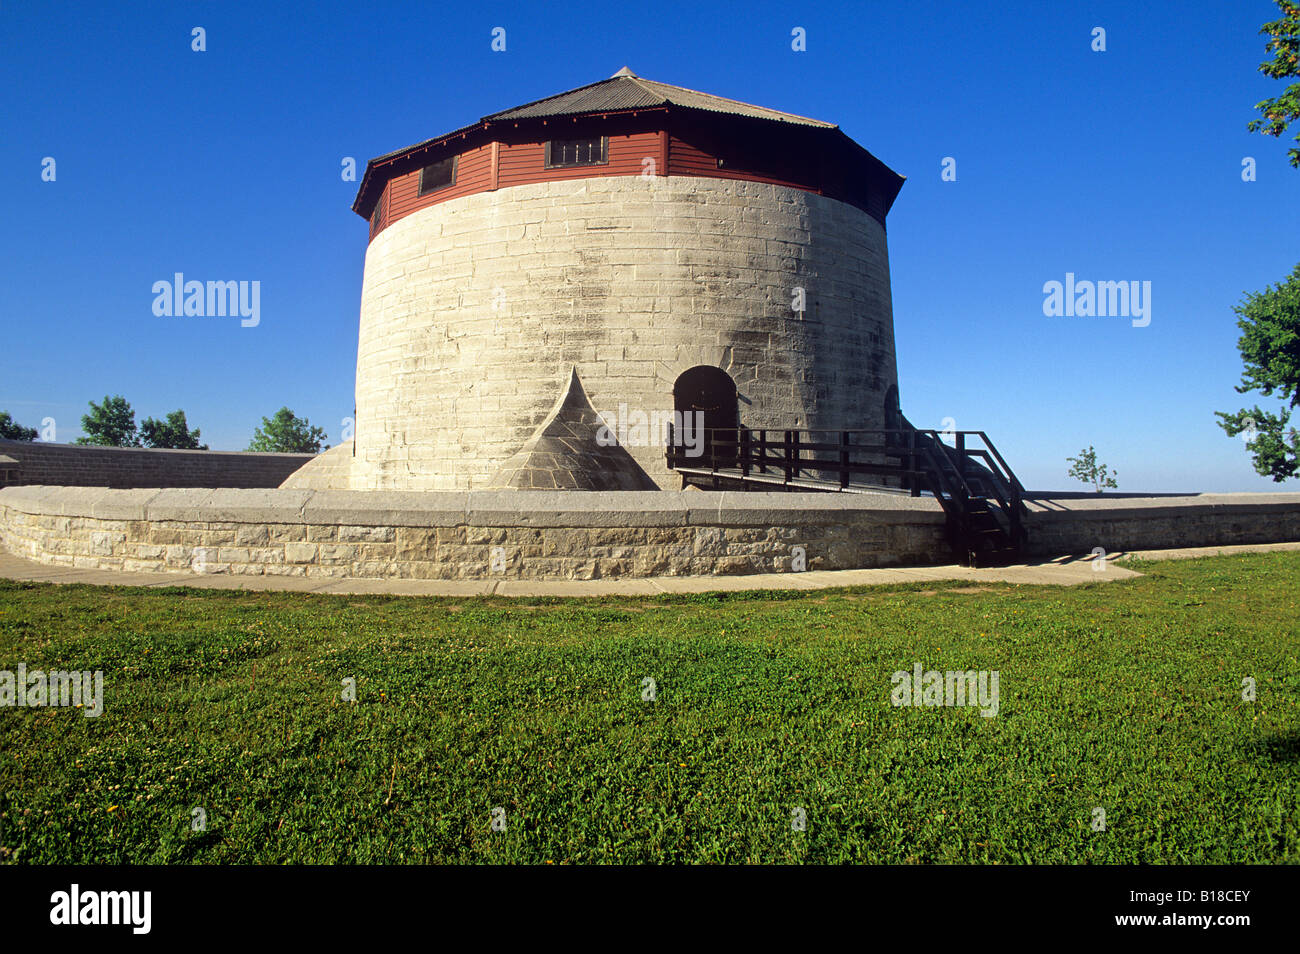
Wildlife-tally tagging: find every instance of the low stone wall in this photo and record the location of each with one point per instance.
(1078, 524)
(74, 465)
(573, 535)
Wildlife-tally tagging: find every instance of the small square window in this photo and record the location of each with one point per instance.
(438, 175)
(576, 152)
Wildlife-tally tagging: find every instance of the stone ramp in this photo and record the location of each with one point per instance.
(331, 470)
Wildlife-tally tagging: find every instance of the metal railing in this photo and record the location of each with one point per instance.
(965, 476)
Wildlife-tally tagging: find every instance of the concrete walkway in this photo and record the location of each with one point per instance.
(1063, 571)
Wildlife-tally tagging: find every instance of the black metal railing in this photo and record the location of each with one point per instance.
(978, 491)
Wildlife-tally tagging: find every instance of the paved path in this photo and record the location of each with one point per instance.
(1064, 571)
(1187, 553)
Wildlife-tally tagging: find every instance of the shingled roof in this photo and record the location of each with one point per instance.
(626, 90)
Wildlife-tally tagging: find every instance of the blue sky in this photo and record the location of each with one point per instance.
(1115, 165)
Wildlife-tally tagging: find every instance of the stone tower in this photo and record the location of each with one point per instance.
(669, 248)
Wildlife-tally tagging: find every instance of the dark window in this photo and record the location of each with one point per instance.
(576, 152)
(438, 175)
(377, 217)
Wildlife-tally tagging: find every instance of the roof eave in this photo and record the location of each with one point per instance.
(890, 181)
(362, 201)
(888, 178)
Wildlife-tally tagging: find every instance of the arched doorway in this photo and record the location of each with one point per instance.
(710, 393)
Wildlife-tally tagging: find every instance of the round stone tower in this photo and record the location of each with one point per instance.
(628, 249)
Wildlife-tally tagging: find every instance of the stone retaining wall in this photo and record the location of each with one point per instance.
(572, 535)
(75, 465)
(1077, 524)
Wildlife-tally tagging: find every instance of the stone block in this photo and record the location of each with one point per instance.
(386, 508)
(253, 535)
(301, 552)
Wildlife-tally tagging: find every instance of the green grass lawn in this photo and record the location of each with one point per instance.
(1125, 696)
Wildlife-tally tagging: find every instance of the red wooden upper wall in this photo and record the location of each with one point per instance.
(525, 162)
(689, 151)
(687, 159)
(473, 174)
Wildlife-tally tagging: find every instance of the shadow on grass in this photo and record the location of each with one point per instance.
(1280, 747)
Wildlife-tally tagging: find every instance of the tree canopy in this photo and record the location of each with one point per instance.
(11, 430)
(111, 424)
(287, 434)
(1086, 469)
(1284, 43)
(172, 432)
(1270, 350)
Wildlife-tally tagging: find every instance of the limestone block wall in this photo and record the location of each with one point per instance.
(1077, 524)
(474, 311)
(39, 463)
(566, 535)
(563, 535)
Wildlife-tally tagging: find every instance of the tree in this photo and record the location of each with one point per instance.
(287, 434)
(1284, 44)
(11, 430)
(1089, 471)
(1270, 350)
(172, 432)
(111, 424)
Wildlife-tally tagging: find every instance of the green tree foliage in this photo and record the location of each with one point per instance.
(1089, 471)
(11, 430)
(1284, 44)
(285, 433)
(172, 432)
(1270, 350)
(111, 424)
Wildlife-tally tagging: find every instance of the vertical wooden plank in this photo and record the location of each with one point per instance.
(844, 459)
(913, 483)
(496, 165)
